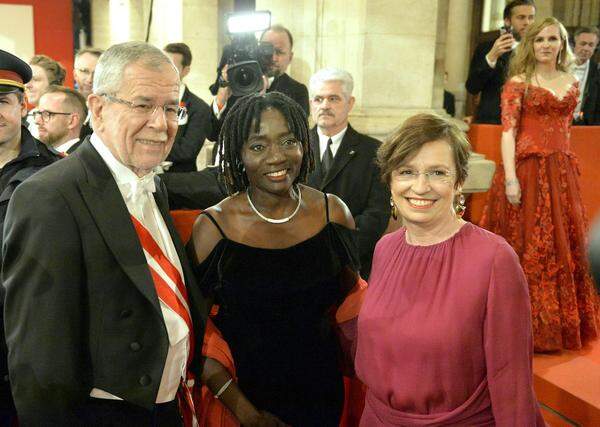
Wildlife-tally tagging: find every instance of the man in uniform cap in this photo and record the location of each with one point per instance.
(21, 155)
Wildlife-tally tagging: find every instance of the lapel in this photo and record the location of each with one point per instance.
(591, 80)
(186, 96)
(346, 151)
(315, 178)
(278, 82)
(107, 208)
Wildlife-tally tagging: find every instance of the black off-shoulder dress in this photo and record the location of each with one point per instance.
(276, 312)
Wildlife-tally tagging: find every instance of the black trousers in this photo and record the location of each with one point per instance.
(118, 413)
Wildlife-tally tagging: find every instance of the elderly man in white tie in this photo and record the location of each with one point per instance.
(586, 71)
(102, 314)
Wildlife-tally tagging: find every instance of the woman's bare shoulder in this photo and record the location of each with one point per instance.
(208, 227)
(519, 78)
(569, 78)
(339, 212)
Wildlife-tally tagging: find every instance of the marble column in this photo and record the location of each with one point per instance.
(195, 23)
(457, 51)
(395, 54)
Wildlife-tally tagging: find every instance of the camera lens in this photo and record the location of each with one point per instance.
(245, 77)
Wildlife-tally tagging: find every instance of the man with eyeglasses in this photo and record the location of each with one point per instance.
(59, 118)
(83, 73)
(115, 322)
(21, 155)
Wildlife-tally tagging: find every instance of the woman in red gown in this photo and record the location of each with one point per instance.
(535, 201)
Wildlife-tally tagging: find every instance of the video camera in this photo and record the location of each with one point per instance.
(247, 59)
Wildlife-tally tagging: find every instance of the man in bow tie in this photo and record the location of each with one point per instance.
(345, 160)
(586, 71)
(104, 323)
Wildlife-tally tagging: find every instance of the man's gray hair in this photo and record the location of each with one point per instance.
(112, 63)
(330, 75)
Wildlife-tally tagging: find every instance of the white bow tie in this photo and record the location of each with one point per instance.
(135, 190)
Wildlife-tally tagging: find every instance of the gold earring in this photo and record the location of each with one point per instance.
(460, 206)
(394, 210)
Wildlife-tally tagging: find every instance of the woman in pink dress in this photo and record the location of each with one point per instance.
(444, 333)
(534, 202)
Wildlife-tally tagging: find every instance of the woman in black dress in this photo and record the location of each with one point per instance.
(278, 258)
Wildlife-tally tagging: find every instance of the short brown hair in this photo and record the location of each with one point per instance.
(510, 6)
(91, 50)
(182, 49)
(417, 131)
(73, 99)
(586, 30)
(54, 71)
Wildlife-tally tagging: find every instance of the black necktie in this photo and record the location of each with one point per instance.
(327, 159)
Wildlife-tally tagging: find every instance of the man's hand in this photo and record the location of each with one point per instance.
(502, 45)
(224, 93)
(265, 85)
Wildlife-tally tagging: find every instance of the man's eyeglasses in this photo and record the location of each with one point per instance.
(172, 112)
(47, 115)
(433, 176)
(85, 71)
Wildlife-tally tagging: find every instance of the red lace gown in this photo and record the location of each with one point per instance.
(548, 229)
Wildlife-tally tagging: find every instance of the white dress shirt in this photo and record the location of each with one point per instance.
(336, 141)
(141, 204)
(64, 147)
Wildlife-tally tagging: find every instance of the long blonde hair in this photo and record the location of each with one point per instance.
(523, 60)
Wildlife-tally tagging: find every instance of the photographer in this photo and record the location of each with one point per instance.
(487, 71)
(276, 77)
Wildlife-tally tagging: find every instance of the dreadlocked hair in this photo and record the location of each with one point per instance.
(243, 118)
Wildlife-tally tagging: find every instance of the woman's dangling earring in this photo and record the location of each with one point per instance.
(460, 206)
(394, 209)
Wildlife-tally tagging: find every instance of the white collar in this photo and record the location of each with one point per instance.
(583, 66)
(181, 91)
(64, 147)
(335, 139)
(129, 183)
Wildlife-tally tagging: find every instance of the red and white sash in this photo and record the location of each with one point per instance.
(173, 294)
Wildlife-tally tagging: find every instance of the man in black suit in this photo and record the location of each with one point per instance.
(194, 129)
(102, 314)
(489, 65)
(277, 78)
(345, 160)
(587, 111)
(59, 118)
(21, 155)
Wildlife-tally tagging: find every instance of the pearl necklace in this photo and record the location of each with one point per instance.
(271, 220)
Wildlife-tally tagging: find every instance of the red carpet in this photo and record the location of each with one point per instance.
(567, 384)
